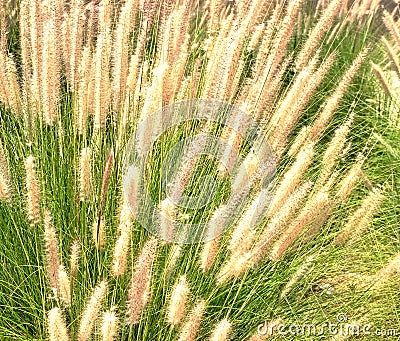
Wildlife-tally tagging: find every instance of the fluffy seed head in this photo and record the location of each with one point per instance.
(64, 285)
(235, 266)
(85, 174)
(74, 258)
(109, 326)
(351, 178)
(361, 218)
(221, 331)
(209, 253)
(52, 252)
(5, 182)
(312, 208)
(280, 219)
(32, 190)
(139, 291)
(167, 218)
(56, 327)
(191, 326)
(292, 177)
(177, 305)
(384, 274)
(92, 311)
(121, 250)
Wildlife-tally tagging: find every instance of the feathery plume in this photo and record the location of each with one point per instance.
(232, 142)
(244, 232)
(167, 217)
(106, 178)
(298, 142)
(348, 182)
(292, 177)
(332, 102)
(313, 206)
(83, 96)
(120, 53)
(101, 64)
(186, 168)
(173, 257)
(335, 147)
(52, 252)
(74, 20)
(132, 184)
(255, 37)
(139, 291)
(392, 27)
(121, 249)
(25, 39)
(384, 274)
(379, 73)
(98, 231)
(57, 327)
(307, 86)
(5, 188)
(85, 174)
(249, 167)
(33, 191)
(285, 30)
(126, 216)
(191, 325)
(392, 55)
(361, 218)
(302, 271)
(109, 327)
(269, 93)
(209, 253)
(265, 45)
(13, 85)
(92, 311)
(221, 331)
(177, 305)
(323, 24)
(64, 285)
(235, 266)
(280, 219)
(50, 73)
(5, 182)
(74, 258)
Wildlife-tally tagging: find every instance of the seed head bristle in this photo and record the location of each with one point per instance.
(64, 286)
(221, 331)
(177, 305)
(33, 191)
(209, 253)
(92, 311)
(109, 327)
(52, 251)
(56, 327)
(5, 181)
(192, 323)
(359, 221)
(74, 258)
(85, 174)
(314, 205)
(139, 290)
